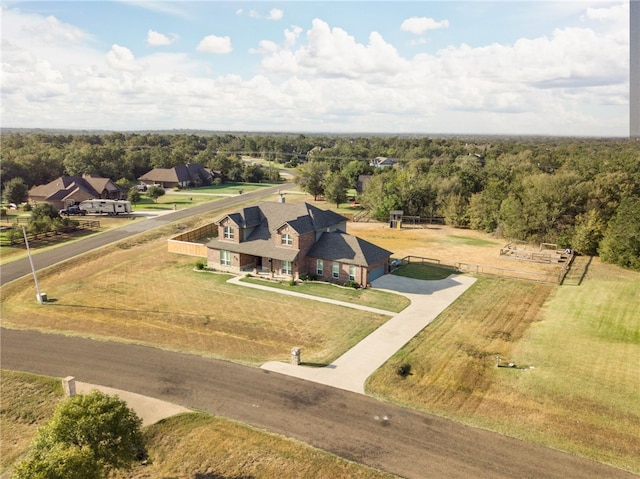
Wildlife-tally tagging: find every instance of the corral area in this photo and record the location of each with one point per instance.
(470, 251)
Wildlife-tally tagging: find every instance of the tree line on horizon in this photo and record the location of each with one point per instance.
(580, 193)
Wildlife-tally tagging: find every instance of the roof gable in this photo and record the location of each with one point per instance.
(63, 187)
(177, 174)
(343, 247)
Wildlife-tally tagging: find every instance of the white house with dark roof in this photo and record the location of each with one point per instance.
(294, 240)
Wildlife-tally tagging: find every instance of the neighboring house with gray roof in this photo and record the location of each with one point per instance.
(383, 162)
(181, 176)
(293, 240)
(68, 190)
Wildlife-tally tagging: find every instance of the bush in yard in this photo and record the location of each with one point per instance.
(200, 265)
(88, 436)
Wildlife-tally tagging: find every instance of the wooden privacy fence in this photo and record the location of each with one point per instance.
(192, 242)
(460, 267)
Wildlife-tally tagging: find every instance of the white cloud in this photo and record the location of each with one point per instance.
(275, 14)
(157, 39)
(419, 25)
(121, 58)
(215, 44)
(572, 81)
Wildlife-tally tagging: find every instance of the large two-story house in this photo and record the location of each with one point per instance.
(68, 190)
(292, 240)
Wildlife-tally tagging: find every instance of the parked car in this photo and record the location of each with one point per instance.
(73, 210)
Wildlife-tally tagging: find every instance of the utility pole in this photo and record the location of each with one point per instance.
(33, 270)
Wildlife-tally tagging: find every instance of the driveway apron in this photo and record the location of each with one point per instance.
(351, 370)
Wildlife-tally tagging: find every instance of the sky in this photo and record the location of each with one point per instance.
(415, 67)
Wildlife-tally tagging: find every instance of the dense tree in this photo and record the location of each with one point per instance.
(311, 177)
(44, 210)
(58, 461)
(253, 173)
(134, 196)
(588, 233)
(154, 192)
(621, 243)
(88, 436)
(335, 189)
(15, 191)
(534, 189)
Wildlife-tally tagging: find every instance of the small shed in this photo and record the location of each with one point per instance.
(395, 218)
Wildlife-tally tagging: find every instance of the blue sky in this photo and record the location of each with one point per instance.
(427, 67)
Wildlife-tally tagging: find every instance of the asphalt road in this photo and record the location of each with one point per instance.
(409, 444)
(17, 269)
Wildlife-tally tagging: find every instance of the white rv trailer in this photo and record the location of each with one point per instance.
(110, 207)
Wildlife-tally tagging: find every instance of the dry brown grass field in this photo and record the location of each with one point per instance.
(582, 395)
(575, 385)
(138, 292)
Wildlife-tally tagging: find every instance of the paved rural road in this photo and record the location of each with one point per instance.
(409, 444)
(17, 269)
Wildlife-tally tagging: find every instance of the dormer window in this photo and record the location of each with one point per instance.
(228, 232)
(287, 239)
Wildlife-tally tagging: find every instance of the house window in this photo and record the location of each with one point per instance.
(319, 267)
(228, 232)
(287, 239)
(225, 258)
(352, 272)
(336, 270)
(287, 267)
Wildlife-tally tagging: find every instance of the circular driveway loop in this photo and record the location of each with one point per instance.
(351, 370)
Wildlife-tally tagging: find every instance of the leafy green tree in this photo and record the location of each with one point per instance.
(155, 192)
(355, 168)
(311, 177)
(44, 210)
(588, 233)
(59, 461)
(253, 173)
(15, 191)
(134, 196)
(335, 189)
(621, 243)
(88, 436)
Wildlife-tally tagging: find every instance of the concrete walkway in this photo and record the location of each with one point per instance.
(351, 370)
(150, 410)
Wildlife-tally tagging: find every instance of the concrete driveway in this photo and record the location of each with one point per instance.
(351, 370)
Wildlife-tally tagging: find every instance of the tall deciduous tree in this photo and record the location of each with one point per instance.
(311, 177)
(335, 189)
(15, 191)
(88, 436)
(621, 243)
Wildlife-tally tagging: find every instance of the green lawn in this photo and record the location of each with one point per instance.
(582, 393)
(365, 296)
(422, 271)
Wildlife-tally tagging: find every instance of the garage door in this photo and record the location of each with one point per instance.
(375, 273)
